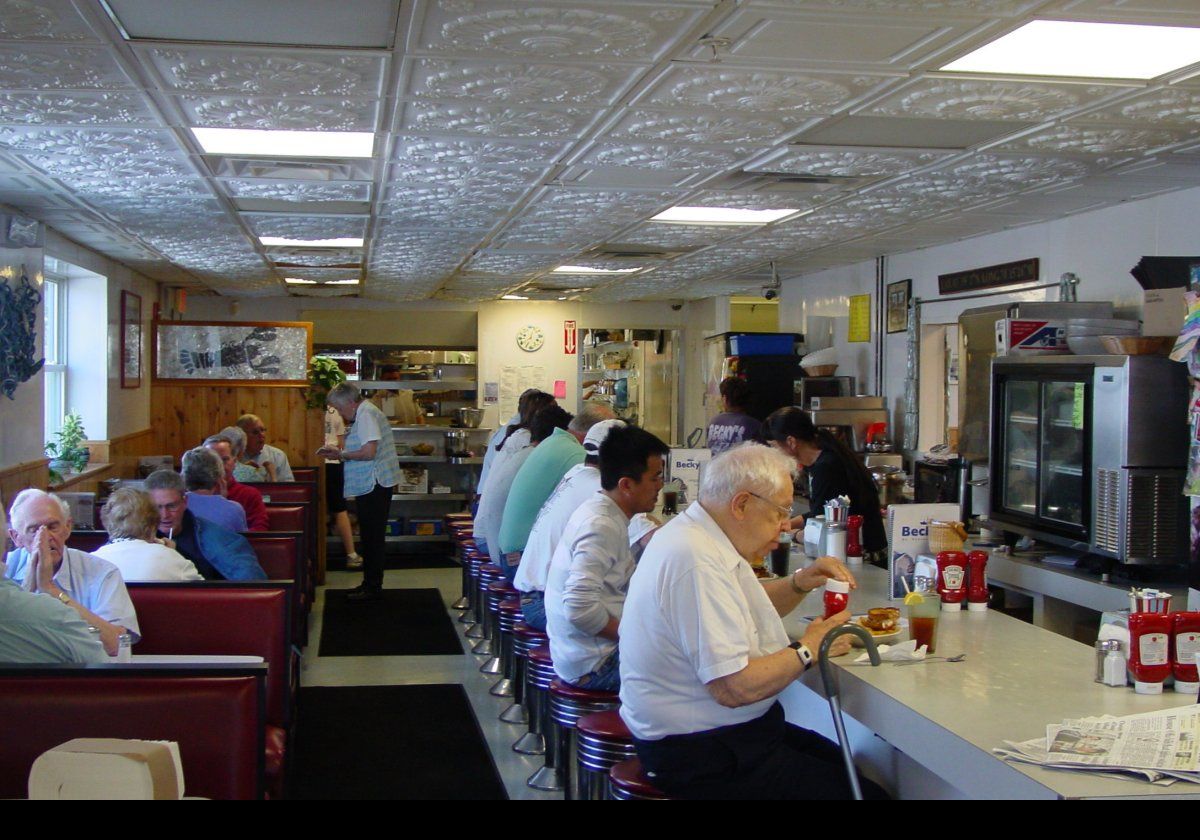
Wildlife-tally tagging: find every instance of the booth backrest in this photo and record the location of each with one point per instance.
(288, 492)
(215, 713)
(223, 618)
(87, 541)
(306, 473)
(280, 553)
(287, 517)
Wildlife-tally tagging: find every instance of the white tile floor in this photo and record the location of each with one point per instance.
(412, 670)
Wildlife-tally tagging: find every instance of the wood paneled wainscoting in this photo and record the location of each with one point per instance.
(123, 452)
(16, 478)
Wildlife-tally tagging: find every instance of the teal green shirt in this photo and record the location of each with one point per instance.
(37, 629)
(538, 477)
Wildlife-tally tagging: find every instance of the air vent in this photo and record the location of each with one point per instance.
(323, 291)
(640, 253)
(291, 169)
(781, 182)
(1108, 507)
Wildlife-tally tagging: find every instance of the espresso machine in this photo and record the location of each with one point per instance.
(848, 418)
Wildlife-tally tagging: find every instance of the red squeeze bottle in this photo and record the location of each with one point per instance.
(853, 538)
(1149, 651)
(977, 590)
(837, 597)
(951, 582)
(1185, 643)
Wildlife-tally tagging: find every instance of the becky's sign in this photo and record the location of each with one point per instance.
(989, 277)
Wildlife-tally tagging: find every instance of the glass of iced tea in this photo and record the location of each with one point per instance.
(924, 608)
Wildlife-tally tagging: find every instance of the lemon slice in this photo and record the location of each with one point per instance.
(913, 598)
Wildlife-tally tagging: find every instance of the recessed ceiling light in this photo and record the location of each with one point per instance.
(587, 269)
(353, 281)
(275, 144)
(284, 242)
(514, 297)
(1092, 50)
(299, 281)
(720, 216)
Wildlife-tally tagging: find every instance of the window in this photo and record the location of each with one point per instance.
(54, 301)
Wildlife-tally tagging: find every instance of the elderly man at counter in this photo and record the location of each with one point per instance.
(42, 563)
(704, 652)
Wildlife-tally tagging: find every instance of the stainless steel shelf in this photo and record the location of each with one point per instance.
(419, 384)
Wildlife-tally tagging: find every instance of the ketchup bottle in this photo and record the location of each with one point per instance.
(951, 582)
(977, 589)
(1185, 644)
(1149, 651)
(854, 552)
(837, 597)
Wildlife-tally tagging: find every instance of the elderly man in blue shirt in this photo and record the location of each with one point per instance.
(40, 524)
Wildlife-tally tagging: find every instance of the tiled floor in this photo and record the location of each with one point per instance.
(408, 670)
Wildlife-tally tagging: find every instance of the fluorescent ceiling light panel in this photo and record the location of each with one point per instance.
(1091, 50)
(514, 297)
(284, 242)
(351, 282)
(720, 216)
(299, 281)
(587, 269)
(275, 144)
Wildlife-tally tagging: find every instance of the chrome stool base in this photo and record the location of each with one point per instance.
(502, 688)
(491, 667)
(515, 714)
(550, 779)
(531, 743)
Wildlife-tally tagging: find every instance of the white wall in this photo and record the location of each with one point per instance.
(1100, 247)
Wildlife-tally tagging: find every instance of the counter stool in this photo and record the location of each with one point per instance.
(538, 676)
(524, 639)
(568, 704)
(508, 617)
(465, 550)
(489, 573)
(498, 591)
(602, 740)
(474, 560)
(626, 780)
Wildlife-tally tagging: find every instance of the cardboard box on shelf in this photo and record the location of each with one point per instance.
(1163, 311)
(413, 480)
(1030, 338)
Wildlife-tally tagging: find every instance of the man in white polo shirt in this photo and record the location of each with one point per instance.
(704, 652)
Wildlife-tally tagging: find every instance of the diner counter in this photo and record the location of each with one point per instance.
(940, 720)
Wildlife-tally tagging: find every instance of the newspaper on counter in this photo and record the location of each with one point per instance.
(1160, 747)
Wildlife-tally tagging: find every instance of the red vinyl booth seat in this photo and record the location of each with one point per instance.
(215, 713)
(288, 492)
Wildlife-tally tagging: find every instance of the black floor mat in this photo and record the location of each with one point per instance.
(404, 622)
(391, 742)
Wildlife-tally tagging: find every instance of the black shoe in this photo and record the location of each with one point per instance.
(364, 593)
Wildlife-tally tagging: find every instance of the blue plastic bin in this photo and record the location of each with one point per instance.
(761, 345)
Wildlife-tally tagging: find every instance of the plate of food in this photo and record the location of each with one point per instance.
(884, 623)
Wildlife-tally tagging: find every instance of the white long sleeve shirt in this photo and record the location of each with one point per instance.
(579, 484)
(589, 576)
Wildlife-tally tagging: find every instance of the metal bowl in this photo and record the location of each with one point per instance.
(468, 418)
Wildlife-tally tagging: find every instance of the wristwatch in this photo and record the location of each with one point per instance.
(803, 654)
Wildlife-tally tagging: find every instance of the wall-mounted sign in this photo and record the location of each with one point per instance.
(898, 296)
(860, 318)
(989, 277)
(231, 353)
(570, 338)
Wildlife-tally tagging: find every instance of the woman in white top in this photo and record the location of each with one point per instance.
(130, 518)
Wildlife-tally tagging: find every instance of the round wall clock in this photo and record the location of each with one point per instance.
(530, 338)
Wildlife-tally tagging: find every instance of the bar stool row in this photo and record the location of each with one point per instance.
(587, 750)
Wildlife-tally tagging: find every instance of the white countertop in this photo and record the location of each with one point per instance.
(1016, 679)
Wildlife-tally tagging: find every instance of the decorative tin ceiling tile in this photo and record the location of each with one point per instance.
(300, 190)
(975, 7)
(1175, 107)
(55, 67)
(747, 201)
(849, 163)
(93, 189)
(75, 109)
(281, 113)
(517, 83)
(43, 20)
(286, 74)
(569, 235)
(495, 121)
(544, 32)
(1017, 172)
(788, 96)
(307, 227)
(660, 156)
(668, 236)
(326, 257)
(701, 129)
(391, 236)
(511, 181)
(126, 172)
(502, 263)
(970, 99)
(474, 152)
(565, 203)
(1095, 140)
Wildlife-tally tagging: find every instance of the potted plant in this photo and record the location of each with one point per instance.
(68, 452)
(323, 375)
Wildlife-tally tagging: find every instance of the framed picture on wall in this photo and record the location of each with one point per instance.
(131, 340)
(898, 296)
(232, 352)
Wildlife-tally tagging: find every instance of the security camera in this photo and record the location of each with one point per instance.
(770, 294)
(675, 307)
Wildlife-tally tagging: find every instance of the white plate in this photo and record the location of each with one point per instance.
(901, 633)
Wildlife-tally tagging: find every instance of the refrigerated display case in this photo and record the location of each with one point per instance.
(1088, 452)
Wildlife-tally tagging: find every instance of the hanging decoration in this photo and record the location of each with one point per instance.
(18, 338)
(913, 373)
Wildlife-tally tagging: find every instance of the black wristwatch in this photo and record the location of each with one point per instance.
(802, 653)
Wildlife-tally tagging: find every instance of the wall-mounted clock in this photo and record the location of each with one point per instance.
(530, 338)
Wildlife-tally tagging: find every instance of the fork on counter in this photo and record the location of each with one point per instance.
(958, 658)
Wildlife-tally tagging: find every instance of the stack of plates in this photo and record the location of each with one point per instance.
(1083, 334)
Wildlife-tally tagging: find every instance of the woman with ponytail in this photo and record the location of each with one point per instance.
(833, 470)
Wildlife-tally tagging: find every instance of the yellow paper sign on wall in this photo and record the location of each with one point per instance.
(860, 318)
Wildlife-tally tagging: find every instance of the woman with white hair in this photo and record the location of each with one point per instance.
(131, 519)
(704, 653)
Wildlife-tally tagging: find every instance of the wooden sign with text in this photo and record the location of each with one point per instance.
(989, 277)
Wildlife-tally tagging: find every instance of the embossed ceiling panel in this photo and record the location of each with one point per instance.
(492, 153)
(908, 7)
(77, 108)
(711, 128)
(1174, 107)
(848, 163)
(519, 83)
(940, 97)
(42, 20)
(496, 120)
(309, 114)
(505, 263)
(1075, 139)
(284, 73)
(510, 180)
(27, 66)
(300, 190)
(685, 159)
(783, 94)
(630, 30)
(669, 236)
(307, 227)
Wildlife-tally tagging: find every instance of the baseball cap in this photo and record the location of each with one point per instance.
(597, 434)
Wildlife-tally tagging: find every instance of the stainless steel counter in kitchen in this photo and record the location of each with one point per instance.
(939, 721)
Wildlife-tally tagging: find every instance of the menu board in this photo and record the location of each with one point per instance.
(859, 329)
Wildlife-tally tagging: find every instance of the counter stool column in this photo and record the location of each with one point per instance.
(627, 780)
(602, 740)
(475, 560)
(489, 573)
(465, 547)
(538, 678)
(510, 613)
(568, 704)
(525, 638)
(498, 591)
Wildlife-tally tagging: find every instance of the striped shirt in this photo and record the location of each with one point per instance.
(371, 424)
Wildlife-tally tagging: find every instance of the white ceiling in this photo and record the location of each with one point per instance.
(512, 137)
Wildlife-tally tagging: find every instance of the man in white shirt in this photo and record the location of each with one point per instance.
(268, 462)
(580, 483)
(704, 652)
(590, 571)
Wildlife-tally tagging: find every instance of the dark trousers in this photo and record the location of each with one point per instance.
(373, 511)
(766, 758)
